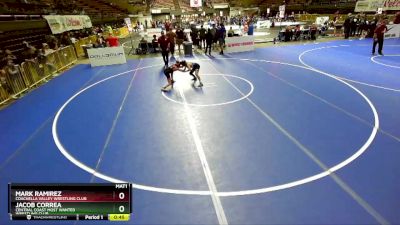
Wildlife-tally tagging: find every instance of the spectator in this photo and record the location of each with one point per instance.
(8, 55)
(358, 29)
(246, 28)
(43, 59)
(3, 77)
(195, 32)
(12, 71)
(193, 38)
(46, 49)
(202, 32)
(297, 32)
(231, 33)
(180, 36)
(361, 25)
(346, 26)
(2, 57)
(167, 26)
(72, 39)
(144, 41)
(209, 41)
(112, 41)
(100, 43)
(143, 45)
(154, 43)
(29, 53)
(372, 27)
(287, 32)
(213, 33)
(171, 36)
(353, 26)
(53, 43)
(221, 33)
(313, 31)
(65, 40)
(251, 29)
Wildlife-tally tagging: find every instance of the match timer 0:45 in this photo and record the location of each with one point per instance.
(70, 201)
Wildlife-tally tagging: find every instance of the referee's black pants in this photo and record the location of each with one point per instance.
(165, 55)
(378, 41)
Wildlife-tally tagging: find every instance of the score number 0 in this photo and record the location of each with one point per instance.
(121, 196)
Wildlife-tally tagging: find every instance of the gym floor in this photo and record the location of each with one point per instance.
(301, 134)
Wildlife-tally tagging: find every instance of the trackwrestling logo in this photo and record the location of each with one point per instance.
(107, 55)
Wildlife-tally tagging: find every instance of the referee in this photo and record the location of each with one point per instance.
(379, 34)
(164, 43)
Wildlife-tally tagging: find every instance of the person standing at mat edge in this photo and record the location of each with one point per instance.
(164, 43)
(112, 41)
(379, 34)
(171, 37)
(209, 40)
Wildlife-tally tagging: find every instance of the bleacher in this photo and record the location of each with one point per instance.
(333, 2)
(271, 3)
(12, 7)
(162, 4)
(99, 8)
(136, 2)
(185, 5)
(298, 2)
(219, 1)
(12, 40)
(94, 8)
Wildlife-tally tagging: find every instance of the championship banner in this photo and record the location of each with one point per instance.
(239, 44)
(55, 24)
(106, 56)
(60, 24)
(87, 23)
(373, 5)
(195, 3)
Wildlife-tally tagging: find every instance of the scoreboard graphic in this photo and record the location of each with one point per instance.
(101, 201)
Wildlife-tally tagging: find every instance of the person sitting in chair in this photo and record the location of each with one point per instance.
(231, 33)
(297, 32)
(143, 45)
(154, 43)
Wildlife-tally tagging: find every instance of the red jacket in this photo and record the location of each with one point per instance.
(380, 30)
(164, 42)
(113, 41)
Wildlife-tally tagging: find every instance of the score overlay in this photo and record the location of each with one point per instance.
(103, 201)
